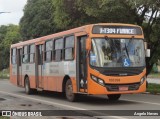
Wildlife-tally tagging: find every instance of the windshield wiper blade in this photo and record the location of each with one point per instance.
(127, 51)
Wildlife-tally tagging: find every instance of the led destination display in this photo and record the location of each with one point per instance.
(116, 30)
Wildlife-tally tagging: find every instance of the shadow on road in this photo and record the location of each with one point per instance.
(89, 100)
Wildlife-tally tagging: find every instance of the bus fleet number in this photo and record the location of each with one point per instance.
(114, 80)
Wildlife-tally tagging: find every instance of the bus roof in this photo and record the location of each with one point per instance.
(67, 32)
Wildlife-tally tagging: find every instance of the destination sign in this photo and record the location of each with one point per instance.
(125, 30)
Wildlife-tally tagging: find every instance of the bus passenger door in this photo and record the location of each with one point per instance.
(81, 64)
(39, 66)
(19, 67)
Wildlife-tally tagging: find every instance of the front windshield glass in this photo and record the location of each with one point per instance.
(117, 52)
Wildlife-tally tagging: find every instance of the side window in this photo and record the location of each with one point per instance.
(14, 55)
(31, 53)
(69, 48)
(58, 49)
(48, 51)
(25, 54)
(40, 54)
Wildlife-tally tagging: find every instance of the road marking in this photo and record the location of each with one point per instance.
(53, 103)
(48, 102)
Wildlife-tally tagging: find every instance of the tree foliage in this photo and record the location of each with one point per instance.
(38, 19)
(68, 14)
(73, 13)
(8, 35)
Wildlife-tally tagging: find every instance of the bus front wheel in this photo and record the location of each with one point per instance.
(69, 91)
(114, 97)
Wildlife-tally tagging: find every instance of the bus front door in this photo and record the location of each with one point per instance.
(19, 67)
(81, 64)
(39, 66)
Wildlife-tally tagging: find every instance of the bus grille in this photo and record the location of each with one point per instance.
(115, 87)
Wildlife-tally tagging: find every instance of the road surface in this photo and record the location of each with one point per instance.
(14, 98)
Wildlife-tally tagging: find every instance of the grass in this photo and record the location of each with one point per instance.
(4, 117)
(153, 88)
(4, 74)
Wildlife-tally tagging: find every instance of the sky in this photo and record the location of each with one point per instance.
(15, 7)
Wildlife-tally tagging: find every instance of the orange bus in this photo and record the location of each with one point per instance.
(104, 58)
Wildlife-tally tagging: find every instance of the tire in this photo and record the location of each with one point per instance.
(114, 97)
(69, 91)
(28, 90)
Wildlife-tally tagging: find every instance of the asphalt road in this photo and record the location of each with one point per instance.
(17, 99)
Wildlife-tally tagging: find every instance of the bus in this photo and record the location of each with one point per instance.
(96, 59)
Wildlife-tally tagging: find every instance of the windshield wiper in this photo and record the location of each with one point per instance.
(127, 51)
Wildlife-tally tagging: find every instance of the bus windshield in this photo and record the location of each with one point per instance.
(110, 52)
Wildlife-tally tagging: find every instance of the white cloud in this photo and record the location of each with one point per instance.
(15, 7)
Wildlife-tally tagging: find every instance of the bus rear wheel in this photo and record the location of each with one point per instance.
(28, 90)
(69, 91)
(114, 97)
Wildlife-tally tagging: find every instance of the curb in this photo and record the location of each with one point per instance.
(151, 93)
(3, 79)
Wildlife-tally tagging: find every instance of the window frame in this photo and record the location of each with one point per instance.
(40, 54)
(45, 51)
(73, 48)
(29, 54)
(54, 50)
(25, 54)
(13, 56)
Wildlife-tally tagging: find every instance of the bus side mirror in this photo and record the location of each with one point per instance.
(148, 53)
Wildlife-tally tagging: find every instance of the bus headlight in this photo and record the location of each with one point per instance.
(142, 80)
(101, 82)
(98, 80)
(94, 78)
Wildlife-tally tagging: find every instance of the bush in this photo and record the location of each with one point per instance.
(155, 68)
(4, 74)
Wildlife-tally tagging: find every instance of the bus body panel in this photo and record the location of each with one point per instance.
(29, 71)
(13, 70)
(13, 74)
(55, 72)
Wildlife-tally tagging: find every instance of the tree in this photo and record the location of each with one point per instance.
(8, 35)
(68, 15)
(38, 19)
(74, 13)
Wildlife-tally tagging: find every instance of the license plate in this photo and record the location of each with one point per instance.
(123, 88)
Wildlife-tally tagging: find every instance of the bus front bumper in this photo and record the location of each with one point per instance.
(130, 88)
